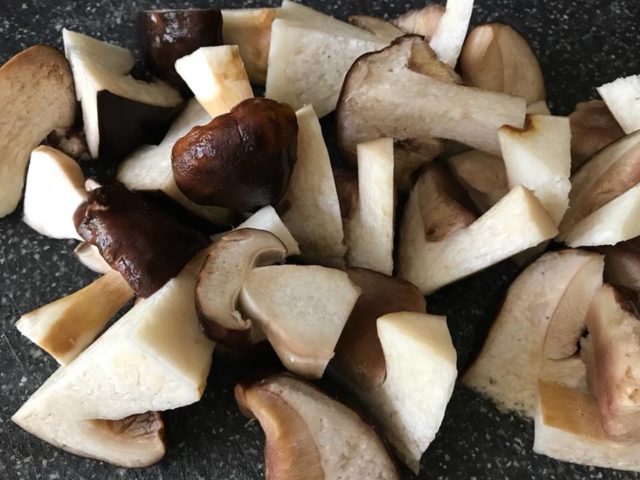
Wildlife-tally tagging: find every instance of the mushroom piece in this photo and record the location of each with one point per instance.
(310, 208)
(309, 56)
(267, 219)
(605, 196)
(120, 113)
(145, 244)
(250, 30)
(377, 26)
(302, 310)
(369, 230)
(496, 57)
(89, 256)
(448, 37)
(167, 35)
(622, 264)
(36, 94)
(225, 270)
(347, 188)
(538, 157)
(54, 190)
(622, 97)
(65, 327)
(423, 21)
(217, 77)
(537, 330)
(311, 436)
(592, 128)
(405, 93)
(441, 241)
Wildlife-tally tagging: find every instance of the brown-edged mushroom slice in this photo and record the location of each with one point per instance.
(120, 113)
(65, 327)
(496, 57)
(89, 256)
(302, 310)
(378, 26)
(622, 97)
(267, 219)
(541, 318)
(311, 436)
(54, 190)
(228, 264)
(448, 37)
(36, 94)
(423, 21)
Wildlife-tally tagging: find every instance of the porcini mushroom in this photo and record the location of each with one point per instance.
(267, 219)
(622, 97)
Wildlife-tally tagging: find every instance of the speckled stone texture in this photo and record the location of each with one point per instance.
(581, 44)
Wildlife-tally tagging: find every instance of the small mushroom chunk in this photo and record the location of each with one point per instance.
(448, 37)
(167, 35)
(145, 244)
(301, 310)
(622, 97)
(423, 21)
(36, 94)
(378, 26)
(225, 270)
(311, 436)
(241, 160)
(267, 219)
(89, 256)
(496, 57)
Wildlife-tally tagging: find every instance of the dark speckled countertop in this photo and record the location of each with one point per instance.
(581, 44)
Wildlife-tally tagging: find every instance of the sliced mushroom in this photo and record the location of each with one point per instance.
(65, 327)
(377, 26)
(538, 157)
(496, 57)
(267, 219)
(301, 310)
(423, 21)
(311, 436)
(36, 94)
(622, 264)
(226, 268)
(347, 189)
(369, 230)
(542, 318)
(217, 77)
(89, 256)
(448, 37)
(622, 97)
(120, 113)
(310, 208)
(54, 190)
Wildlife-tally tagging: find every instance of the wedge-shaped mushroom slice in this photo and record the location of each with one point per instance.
(309, 56)
(538, 157)
(120, 113)
(301, 310)
(149, 167)
(310, 208)
(441, 241)
(54, 190)
(542, 318)
(228, 264)
(267, 219)
(615, 371)
(65, 327)
(622, 264)
(567, 428)
(423, 21)
(451, 31)
(311, 436)
(622, 96)
(217, 77)
(36, 94)
(495, 57)
(605, 197)
(404, 92)
(369, 230)
(89, 256)
(377, 26)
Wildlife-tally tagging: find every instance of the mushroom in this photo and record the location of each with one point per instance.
(54, 190)
(379, 27)
(267, 219)
(442, 242)
(423, 21)
(310, 208)
(302, 310)
(311, 436)
(449, 34)
(250, 30)
(538, 157)
(167, 35)
(347, 188)
(496, 57)
(369, 230)
(36, 94)
(622, 264)
(622, 97)
(145, 244)
(89, 256)
(309, 55)
(241, 160)
(404, 92)
(65, 327)
(226, 268)
(217, 77)
(120, 113)
(538, 327)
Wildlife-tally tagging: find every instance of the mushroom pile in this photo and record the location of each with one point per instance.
(231, 226)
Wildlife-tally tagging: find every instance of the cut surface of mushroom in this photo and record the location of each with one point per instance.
(622, 96)
(301, 310)
(423, 21)
(267, 219)
(451, 31)
(377, 26)
(26, 120)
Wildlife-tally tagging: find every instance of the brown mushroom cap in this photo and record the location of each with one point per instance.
(241, 160)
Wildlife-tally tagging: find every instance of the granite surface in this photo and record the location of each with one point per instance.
(581, 44)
